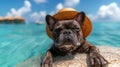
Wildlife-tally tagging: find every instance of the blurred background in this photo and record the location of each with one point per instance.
(22, 26)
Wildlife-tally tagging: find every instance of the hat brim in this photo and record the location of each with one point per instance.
(66, 15)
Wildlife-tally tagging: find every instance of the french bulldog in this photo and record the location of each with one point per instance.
(68, 38)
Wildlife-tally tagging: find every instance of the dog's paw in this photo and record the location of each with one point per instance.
(47, 61)
(97, 60)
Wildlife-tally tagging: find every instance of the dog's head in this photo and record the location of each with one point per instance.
(67, 34)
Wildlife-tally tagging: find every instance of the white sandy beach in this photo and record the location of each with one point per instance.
(112, 54)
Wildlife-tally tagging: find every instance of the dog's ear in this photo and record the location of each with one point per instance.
(50, 21)
(80, 17)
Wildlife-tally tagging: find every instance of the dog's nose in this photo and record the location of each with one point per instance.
(67, 32)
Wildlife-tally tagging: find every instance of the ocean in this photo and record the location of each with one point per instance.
(19, 42)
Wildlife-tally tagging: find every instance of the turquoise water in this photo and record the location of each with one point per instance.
(23, 41)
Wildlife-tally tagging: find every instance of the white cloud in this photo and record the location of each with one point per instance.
(109, 12)
(38, 17)
(21, 11)
(71, 3)
(52, 13)
(59, 6)
(40, 1)
(67, 3)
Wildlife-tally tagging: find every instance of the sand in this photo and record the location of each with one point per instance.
(112, 54)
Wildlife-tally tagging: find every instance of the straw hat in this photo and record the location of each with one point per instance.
(70, 13)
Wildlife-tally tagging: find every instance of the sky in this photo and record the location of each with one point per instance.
(36, 10)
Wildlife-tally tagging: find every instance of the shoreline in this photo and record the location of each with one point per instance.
(112, 54)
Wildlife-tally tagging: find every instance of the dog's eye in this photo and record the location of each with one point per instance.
(76, 29)
(58, 29)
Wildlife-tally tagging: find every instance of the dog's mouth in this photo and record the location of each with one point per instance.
(67, 44)
(67, 47)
